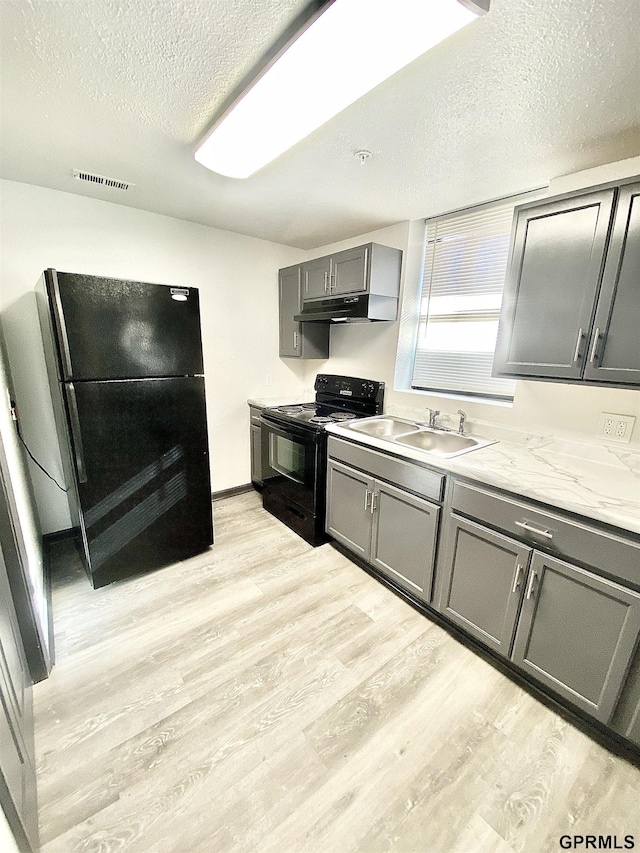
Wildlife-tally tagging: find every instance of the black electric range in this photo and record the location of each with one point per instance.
(294, 449)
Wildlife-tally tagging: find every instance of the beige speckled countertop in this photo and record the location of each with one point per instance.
(598, 482)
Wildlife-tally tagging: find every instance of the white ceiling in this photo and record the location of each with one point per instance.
(123, 88)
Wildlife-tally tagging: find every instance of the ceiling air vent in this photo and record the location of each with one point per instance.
(79, 175)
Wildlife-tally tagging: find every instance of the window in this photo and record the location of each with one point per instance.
(465, 261)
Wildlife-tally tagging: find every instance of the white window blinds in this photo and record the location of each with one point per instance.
(464, 270)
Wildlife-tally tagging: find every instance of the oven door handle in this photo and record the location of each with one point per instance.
(290, 430)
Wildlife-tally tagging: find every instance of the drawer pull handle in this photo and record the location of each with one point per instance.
(576, 354)
(367, 495)
(546, 533)
(596, 338)
(517, 578)
(532, 580)
(374, 495)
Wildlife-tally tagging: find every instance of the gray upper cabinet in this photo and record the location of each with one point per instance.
(554, 272)
(614, 347)
(349, 271)
(483, 582)
(298, 340)
(577, 633)
(371, 268)
(315, 278)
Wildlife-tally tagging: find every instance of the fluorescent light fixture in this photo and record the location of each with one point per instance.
(350, 47)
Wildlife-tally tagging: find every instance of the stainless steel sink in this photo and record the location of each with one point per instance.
(418, 436)
(383, 427)
(442, 443)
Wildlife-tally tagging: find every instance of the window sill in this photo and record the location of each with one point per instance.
(467, 398)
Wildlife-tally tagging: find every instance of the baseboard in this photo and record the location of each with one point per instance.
(59, 535)
(48, 594)
(229, 493)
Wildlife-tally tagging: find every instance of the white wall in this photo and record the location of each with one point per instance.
(237, 278)
(20, 505)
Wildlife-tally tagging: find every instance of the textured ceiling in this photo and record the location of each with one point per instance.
(533, 90)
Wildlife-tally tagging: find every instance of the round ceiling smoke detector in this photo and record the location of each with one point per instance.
(363, 156)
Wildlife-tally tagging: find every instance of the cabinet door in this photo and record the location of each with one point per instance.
(315, 279)
(290, 304)
(403, 544)
(349, 507)
(349, 271)
(17, 774)
(552, 282)
(614, 349)
(483, 582)
(577, 633)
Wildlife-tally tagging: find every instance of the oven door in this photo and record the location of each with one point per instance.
(289, 460)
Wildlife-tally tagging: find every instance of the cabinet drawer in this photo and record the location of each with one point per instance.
(612, 554)
(411, 476)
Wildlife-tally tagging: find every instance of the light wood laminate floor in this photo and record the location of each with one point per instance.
(270, 696)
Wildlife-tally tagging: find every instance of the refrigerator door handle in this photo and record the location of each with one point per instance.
(75, 433)
(61, 327)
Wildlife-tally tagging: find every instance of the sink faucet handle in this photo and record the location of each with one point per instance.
(433, 414)
(463, 417)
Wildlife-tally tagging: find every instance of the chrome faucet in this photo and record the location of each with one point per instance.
(463, 417)
(433, 414)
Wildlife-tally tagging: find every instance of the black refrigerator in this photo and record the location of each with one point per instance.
(125, 366)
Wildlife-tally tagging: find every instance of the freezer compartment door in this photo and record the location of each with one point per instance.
(142, 466)
(113, 329)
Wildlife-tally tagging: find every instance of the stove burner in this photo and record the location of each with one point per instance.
(290, 410)
(318, 419)
(342, 416)
(308, 405)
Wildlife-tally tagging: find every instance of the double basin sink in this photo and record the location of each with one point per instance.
(418, 436)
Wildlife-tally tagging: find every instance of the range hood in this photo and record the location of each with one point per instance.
(349, 309)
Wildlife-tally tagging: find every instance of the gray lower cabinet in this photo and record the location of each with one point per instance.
(388, 527)
(256, 446)
(626, 719)
(571, 629)
(403, 541)
(298, 340)
(348, 508)
(577, 633)
(483, 582)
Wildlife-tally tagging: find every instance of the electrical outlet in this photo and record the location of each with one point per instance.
(614, 427)
(267, 380)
